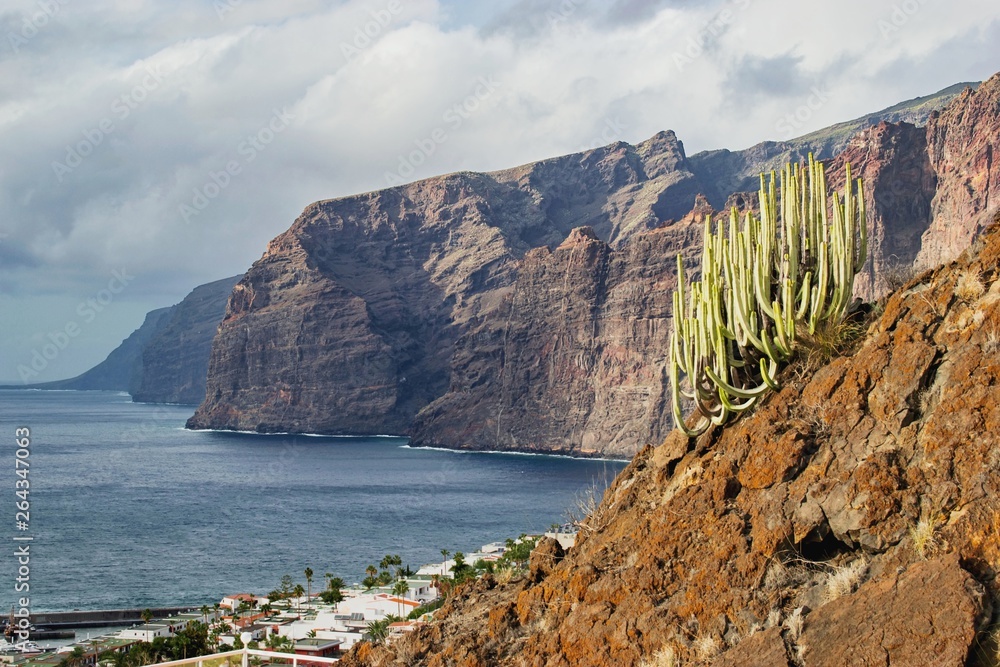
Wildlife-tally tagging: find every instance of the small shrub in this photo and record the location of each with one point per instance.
(897, 274)
(969, 287)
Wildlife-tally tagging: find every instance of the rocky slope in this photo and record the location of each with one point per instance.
(850, 519)
(465, 310)
(175, 359)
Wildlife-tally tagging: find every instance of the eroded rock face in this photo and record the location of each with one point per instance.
(571, 361)
(175, 360)
(927, 615)
(850, 519)
(962, 142)
(899, 186)
(372, 307)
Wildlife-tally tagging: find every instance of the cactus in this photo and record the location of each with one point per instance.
(764, 283)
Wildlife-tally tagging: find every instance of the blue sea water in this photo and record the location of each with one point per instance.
(128, 509)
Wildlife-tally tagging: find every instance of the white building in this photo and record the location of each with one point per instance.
(146, 633)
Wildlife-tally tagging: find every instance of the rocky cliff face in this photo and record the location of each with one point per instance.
(166, 359)
(724, 172)
(850, 519)
(900, 183)
(174, 360)
(961, 141)
(122, 369)
(356, 318)
(466, 312)
(571, 361)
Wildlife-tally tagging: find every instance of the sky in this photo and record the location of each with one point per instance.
(149, 146)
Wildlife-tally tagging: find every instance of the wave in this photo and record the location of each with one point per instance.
(513, 453)
(288, 433)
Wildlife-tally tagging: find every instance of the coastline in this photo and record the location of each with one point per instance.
(514, 453)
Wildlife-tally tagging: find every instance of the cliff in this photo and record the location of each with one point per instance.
(166, 359)
(850, 519)
(350, 321)
(466, 312)
(122, 369)
(175, 359)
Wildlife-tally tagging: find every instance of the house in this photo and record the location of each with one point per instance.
(146, 632)
(317, 648)
(232, 602)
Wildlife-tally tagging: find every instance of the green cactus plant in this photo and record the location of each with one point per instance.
(764, 284)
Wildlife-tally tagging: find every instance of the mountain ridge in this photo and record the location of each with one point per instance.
(427, 309)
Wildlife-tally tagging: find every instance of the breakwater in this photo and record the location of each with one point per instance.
(67, 620)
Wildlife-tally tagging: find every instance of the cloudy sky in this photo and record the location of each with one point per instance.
(149, 146)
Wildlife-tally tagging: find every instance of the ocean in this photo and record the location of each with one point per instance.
(129, 509)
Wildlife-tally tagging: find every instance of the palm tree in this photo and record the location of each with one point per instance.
(371, 571)
(147, 616)
(400, 589)
(378, 630)
(297, 592)
(243, 606)
(204, 613)
(309, 581)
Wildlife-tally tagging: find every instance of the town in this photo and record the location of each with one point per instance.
(310, 621)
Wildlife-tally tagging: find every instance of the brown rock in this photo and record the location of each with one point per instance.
(927, 616)
(763, 649)
(544, 557)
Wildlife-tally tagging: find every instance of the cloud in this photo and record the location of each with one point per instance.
(177, 138)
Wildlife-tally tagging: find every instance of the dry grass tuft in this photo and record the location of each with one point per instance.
(969, 287)
(843, 580)
(923, 536)
(707, 647)
(665, 657)
(503, 575)
(991, 341)
(794, 624)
